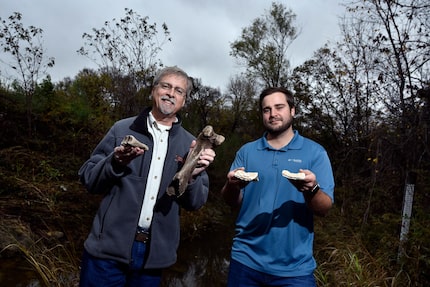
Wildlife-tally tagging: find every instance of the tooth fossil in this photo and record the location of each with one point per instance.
(131, 141)
(206, 139)
(292, 175)
(246, 176)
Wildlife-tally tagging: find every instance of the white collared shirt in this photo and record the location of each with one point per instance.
(160, 134)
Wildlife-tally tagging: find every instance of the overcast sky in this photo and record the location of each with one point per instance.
(201, 30)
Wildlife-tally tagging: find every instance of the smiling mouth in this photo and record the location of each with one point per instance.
(167, 101)
(274, 122)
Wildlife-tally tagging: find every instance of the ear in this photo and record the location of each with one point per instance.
(150, 95)
(293, 112)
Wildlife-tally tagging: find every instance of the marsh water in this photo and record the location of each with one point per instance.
(202, 261)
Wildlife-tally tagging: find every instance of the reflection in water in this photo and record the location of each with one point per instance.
(199, 274)
(202, 261)
(17, 273)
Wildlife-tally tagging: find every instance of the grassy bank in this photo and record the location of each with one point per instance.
(46, 215)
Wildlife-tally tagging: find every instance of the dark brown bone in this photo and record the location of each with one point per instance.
(131, 141)
(206, 139)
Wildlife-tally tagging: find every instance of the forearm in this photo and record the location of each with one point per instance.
(98, 175)
(231, 194)
(320, 203)
(196, 194)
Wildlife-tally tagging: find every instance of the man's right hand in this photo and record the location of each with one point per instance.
(123, 155)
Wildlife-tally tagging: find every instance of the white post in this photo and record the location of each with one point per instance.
(408, 200)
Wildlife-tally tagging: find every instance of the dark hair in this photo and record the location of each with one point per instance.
(174, 71)
(268, 91)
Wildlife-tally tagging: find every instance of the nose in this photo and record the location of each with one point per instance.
(170, 92)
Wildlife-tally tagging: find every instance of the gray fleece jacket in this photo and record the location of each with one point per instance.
(114, 226)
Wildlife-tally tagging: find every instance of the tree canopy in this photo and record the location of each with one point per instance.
(262, 47)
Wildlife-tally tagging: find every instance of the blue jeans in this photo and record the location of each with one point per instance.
(96, 272)
(242, 276)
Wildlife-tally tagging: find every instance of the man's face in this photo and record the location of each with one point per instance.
(277, 115)
(169, 94)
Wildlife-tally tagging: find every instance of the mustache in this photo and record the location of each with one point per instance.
(167, 98)
(274, 119)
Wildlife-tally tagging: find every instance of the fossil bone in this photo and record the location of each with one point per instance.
(131, 141)
(246, 176)
(206, 139)
(292, 175)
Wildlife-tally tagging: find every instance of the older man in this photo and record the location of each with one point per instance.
(135, 233)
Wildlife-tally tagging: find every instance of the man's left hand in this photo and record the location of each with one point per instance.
(207, 156)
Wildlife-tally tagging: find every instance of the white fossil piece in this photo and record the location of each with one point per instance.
(293, 175)
(131, 141)
(246, 176)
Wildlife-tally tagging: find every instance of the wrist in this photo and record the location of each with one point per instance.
(314, 189)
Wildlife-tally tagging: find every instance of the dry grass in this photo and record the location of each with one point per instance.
(53, 262)
(344, 260)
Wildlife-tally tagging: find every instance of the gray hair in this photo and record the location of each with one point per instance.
(174, 70)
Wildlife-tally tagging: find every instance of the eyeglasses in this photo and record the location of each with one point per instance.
(168, 87)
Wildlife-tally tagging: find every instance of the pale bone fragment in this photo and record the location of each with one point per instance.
(293, 175)
(131, 141)
(246, 176)
(206, 139)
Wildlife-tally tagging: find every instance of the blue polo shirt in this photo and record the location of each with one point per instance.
(274, 228)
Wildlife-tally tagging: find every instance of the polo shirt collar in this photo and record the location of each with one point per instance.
(295, 143)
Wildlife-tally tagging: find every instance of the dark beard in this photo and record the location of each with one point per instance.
(278, 131)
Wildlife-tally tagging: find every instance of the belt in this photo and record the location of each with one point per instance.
(142, 235)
